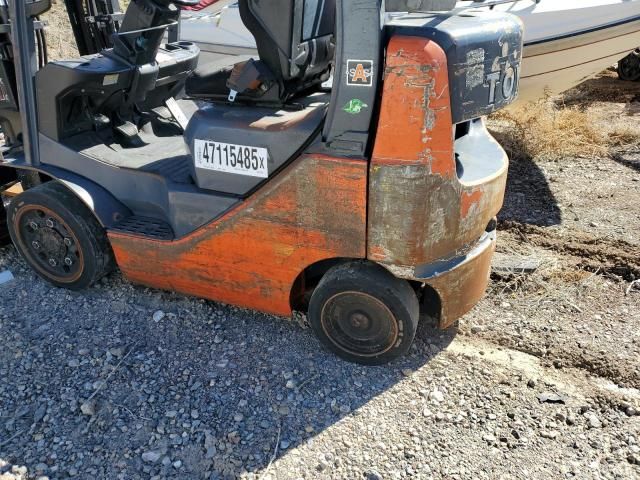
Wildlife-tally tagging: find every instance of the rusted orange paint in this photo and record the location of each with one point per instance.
(419, 210)
(415, 118)
(463, 288)
(313, 210)
(469, 199)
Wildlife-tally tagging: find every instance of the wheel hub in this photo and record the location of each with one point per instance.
(360, 321)
(359, 324)
(50, 243)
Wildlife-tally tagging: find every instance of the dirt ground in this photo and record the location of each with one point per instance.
(541, 380)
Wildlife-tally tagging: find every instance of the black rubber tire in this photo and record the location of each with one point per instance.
(629, 67)
(354, 284)
(4, 230)
(95, 257)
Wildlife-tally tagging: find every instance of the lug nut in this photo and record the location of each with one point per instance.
(50, 223)
(53, 262)
(68, 261)
(36, 245)
(33, 225)
(68, 242)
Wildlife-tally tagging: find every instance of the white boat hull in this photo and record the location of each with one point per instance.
(555, 66)
(566, 41)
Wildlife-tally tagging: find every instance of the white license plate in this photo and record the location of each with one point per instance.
(230, 158)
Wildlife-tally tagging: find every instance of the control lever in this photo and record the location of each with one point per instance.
(248, 76)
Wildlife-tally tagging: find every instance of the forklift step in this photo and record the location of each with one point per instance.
(163, 112)
(128, 130)
(145, 227)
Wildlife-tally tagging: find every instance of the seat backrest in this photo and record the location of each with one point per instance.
(143, 28)
(295, 38)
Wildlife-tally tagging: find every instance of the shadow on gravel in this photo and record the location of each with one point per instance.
(207, 391)
(629, 160)
(529, 198)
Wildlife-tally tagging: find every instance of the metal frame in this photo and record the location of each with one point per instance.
(26, 63)
(85, 17)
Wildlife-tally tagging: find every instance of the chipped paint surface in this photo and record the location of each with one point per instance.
(464, 286)
(475, 68)
(420, 213)
(314, 210)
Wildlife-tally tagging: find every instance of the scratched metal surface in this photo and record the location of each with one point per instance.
(314, 210)
(419, 210)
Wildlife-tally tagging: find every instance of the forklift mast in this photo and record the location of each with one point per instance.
(93, 23)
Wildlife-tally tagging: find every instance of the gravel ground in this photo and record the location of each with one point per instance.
(540, 381)
(125, 382)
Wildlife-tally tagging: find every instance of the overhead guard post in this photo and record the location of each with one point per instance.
(24, 52)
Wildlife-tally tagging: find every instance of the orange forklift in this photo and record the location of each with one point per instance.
(344, 170)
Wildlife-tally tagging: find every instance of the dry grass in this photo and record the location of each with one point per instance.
(548, 130)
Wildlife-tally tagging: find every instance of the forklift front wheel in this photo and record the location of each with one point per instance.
(364, 314)
(59, 236)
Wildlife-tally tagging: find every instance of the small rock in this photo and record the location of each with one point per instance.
(40, 413)
(291, 384)
(373, 475)
(233, 437)
(88, 408)
(489, 438)
(265, 424)
(171, 414)
(531, 383)
(436, 396)
(73, 363)
(593, 420)
(283, 410)
(238, 417)
(630, 412)
(549, 397)
(177, 464)
(158, 316)
(284, 444)
(117, 351)
(548, 434)
(6, 277)
(407, 372)
(152, 456)
(209, 444)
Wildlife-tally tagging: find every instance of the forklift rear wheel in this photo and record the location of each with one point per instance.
(59, 236)
(364, 314)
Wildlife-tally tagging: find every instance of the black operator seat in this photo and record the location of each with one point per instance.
(115, 87)
(268, 109)
(296, 49)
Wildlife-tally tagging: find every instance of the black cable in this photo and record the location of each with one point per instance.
(39, 46)
(45, 51)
